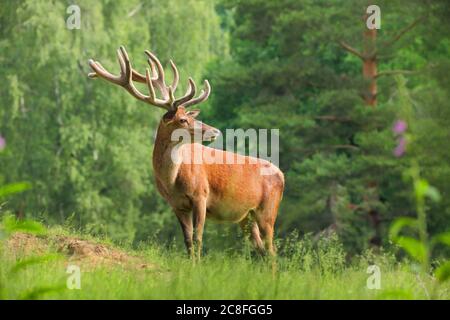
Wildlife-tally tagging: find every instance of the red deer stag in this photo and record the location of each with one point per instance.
(225, 192)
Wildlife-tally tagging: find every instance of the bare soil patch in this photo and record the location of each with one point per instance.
(75, 249)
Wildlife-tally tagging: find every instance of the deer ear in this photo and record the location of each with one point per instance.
(193, 113)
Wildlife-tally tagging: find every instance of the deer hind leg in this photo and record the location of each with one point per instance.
(266, 227)
(265, 217)
(251, 231)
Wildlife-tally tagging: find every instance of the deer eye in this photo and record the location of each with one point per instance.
(183, 121)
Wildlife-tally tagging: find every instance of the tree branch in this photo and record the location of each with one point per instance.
(135, 10)
(394, 72)
(402, 33)
(344, 146)
(351, 50)
(333, 118)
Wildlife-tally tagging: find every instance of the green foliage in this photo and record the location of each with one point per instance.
(10, 225)
(324, 255)
(422, 248)
(13, 188)
(23, 264)
(442, 273)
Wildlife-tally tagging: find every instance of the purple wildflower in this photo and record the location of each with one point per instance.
(399, 127)
(2, 143)
(401, 147)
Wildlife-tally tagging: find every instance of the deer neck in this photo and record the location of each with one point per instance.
(165, 169)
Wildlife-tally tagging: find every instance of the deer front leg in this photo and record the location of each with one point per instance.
(199, 215)
(185, 220)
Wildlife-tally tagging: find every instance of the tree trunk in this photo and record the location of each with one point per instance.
(370, 67)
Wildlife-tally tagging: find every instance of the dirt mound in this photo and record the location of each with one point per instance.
(24, 244)
(75, 249)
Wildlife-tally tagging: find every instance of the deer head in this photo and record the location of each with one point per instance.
(177, 115)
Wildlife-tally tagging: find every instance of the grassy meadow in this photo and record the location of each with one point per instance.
(35, 267)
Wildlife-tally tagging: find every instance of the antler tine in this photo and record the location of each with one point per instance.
(138, 77)
(125, 64)
(158, 78)
(156, 81)
(99, 71)
(153, 69)
(190, 93)
(158, 65)
(151, 89)
(204, 94)
(176, 76)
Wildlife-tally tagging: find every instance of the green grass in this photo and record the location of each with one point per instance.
(304, 271)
